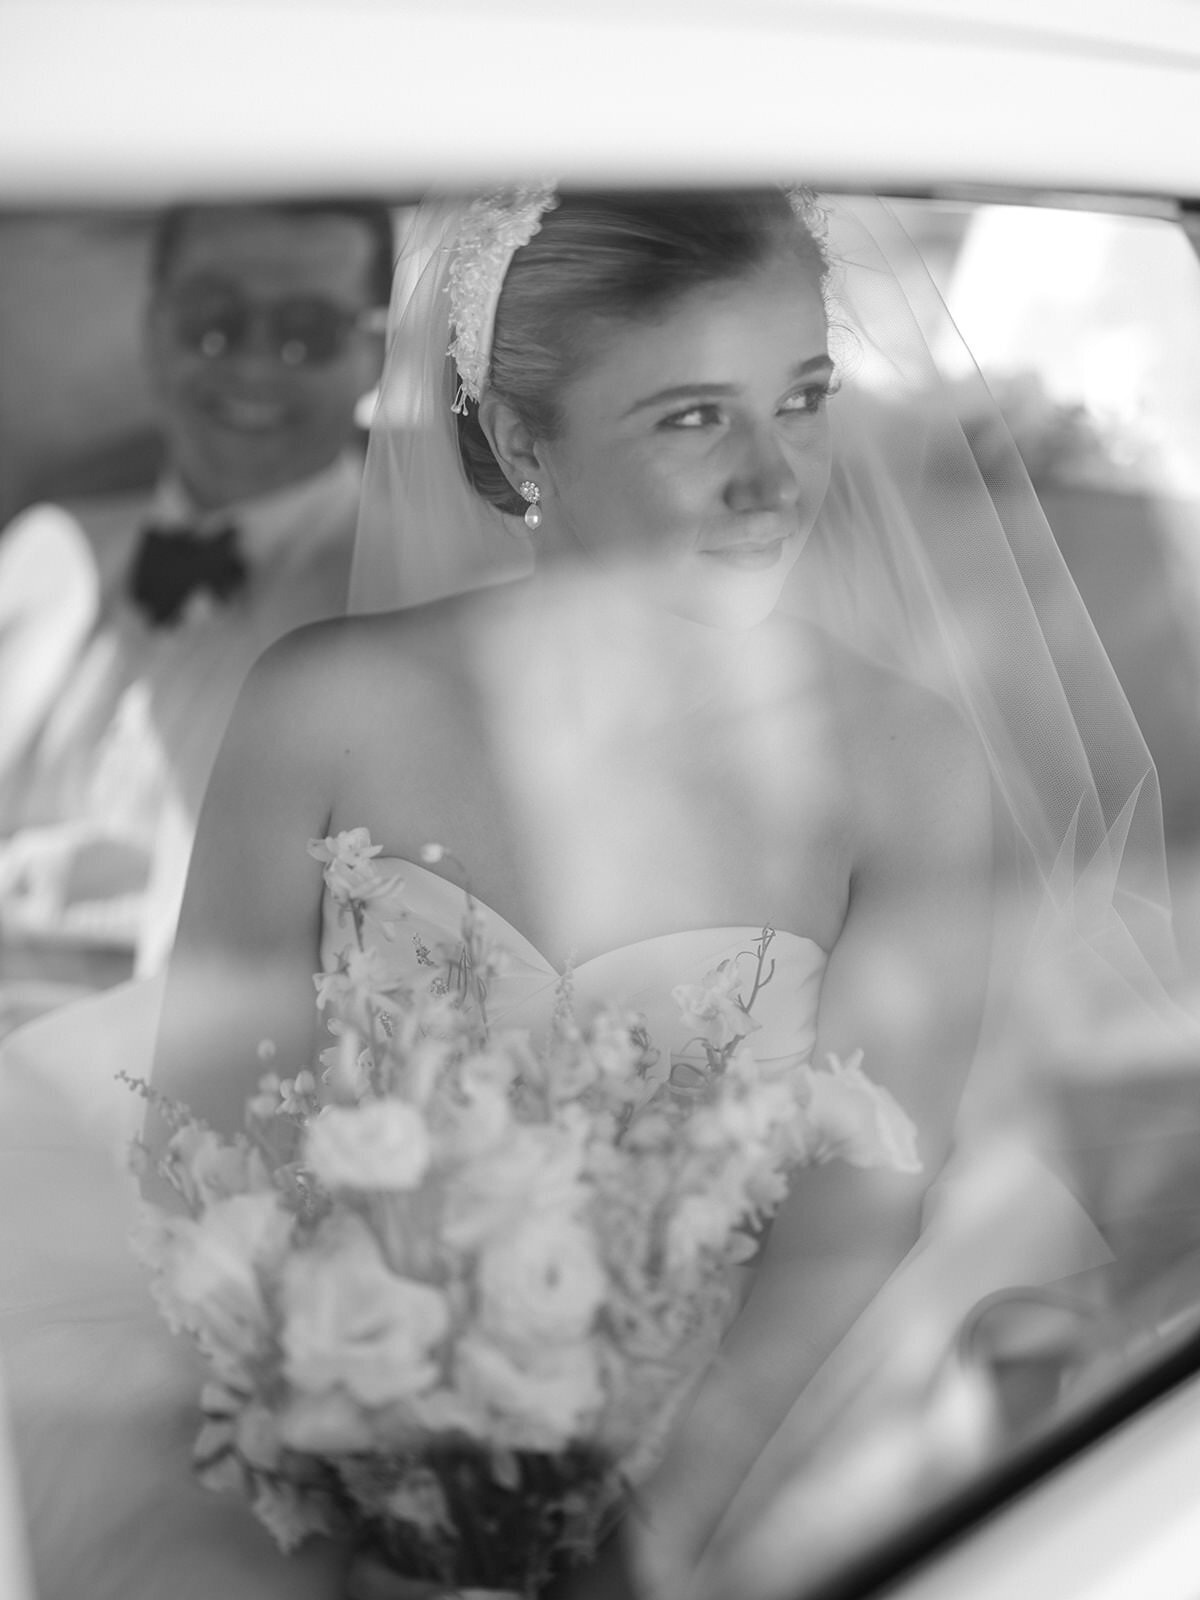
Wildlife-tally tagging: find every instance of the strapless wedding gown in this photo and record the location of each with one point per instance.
(102, 1398)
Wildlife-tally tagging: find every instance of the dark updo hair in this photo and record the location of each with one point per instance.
(605, 257)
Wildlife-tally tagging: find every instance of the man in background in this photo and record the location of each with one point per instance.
(128, 623)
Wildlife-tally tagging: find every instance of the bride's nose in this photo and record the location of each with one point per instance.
(762, 476)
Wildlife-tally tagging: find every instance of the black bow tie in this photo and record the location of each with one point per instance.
(172, 565)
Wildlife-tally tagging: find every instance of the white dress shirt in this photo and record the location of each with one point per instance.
(124, 739)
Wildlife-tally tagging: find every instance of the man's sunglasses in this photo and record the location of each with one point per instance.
(302, 330)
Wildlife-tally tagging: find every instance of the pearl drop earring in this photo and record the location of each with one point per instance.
(533, 511)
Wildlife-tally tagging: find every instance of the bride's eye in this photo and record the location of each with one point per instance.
(707, 415)
(806, 402)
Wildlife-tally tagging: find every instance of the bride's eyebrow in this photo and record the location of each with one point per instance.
(683, 391)
(814, 366)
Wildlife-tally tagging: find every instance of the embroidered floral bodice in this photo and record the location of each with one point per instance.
(639, 976)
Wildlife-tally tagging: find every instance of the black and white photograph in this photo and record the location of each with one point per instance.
(599, 800)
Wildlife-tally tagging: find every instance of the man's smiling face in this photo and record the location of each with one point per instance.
(246, 409)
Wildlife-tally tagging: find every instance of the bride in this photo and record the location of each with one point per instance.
(720, 629)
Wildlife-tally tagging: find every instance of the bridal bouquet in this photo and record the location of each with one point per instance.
(453, 1287)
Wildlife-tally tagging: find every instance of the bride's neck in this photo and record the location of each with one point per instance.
(606, 627)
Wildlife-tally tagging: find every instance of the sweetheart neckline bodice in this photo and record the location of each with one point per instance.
(644, 977)
(435, 887)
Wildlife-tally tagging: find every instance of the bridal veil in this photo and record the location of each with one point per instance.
(921, 558)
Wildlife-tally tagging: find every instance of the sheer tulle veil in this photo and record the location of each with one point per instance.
(919, 558)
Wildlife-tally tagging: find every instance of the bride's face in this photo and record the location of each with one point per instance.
(694, 451)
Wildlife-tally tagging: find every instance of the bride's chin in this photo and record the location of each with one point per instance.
(727, 615)
(732, 599)
(706, 590)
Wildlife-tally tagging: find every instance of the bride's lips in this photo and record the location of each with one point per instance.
(756, 557)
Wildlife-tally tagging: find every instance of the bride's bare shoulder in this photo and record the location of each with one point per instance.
(323, 691)
(341, 663)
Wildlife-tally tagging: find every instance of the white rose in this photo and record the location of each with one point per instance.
(701, 1223)
(539, 1404)
(533, 1169)
(349, 1321)
(540, 1282)
(210, 1269)
(207, 1168)
(379, 1144)
(849, 1117)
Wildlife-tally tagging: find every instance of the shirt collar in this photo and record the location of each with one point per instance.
(290, 519)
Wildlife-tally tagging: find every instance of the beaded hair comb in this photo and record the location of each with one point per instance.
(494, 228)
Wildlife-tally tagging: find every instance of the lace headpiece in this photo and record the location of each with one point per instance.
(494, 228)
(807, 208)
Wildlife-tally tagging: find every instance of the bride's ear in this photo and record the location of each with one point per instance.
(513, 445)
